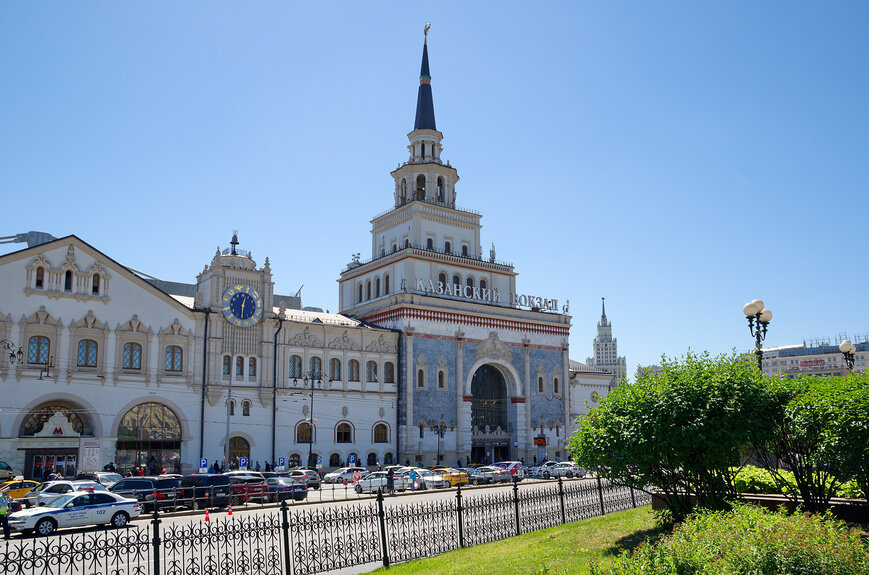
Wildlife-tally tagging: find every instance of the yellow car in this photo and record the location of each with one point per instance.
(16, 489)
(453, 476)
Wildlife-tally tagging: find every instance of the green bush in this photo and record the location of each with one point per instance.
(752, 479)
(749, 540)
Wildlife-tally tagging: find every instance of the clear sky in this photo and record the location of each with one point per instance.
(678, 158)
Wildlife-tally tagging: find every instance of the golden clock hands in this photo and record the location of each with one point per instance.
(243, 301)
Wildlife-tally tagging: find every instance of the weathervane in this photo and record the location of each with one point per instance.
(427, 26)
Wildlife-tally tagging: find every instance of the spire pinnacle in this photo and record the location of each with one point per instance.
(425, 119)
(602, 311)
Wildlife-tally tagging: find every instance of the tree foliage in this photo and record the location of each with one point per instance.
(682, 429)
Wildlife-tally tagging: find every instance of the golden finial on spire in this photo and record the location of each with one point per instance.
(427, 26)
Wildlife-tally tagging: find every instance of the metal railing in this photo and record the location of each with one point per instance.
(316, 540)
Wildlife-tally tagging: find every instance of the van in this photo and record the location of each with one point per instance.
(201, 490)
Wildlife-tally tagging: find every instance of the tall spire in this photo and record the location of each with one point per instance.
(425, 118)
(602, 311)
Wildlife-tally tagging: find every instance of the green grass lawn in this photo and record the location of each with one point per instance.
(555, 551)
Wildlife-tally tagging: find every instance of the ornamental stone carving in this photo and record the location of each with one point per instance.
(494, 348)
(305, 339)
(344, 342)
(380, 346)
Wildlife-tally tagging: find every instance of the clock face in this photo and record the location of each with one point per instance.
(242, 305)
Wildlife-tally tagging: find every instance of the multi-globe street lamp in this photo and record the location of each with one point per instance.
(758, 322)
(849, 351)
(315, 380)
(15, 351)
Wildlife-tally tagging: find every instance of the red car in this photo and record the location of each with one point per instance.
(244, 488)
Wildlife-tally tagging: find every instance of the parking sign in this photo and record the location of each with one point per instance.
(351, 461)
(319, 462)
(203, 465)
(242, 463)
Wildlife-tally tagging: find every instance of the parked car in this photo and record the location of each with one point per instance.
(201, 490)
(540, 470)
(18, 487)
(452, 476)
(76, 508)
(107, 478)
(480, 475)
(159, 491)
(244, 488)
(345, 474)
(50, 490)
(427, 479)
(309, 477)
(564, 469)
(514, 468)
(378, 480)
(8, 472)
(281, 488)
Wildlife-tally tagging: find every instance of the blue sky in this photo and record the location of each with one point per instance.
(678, 158)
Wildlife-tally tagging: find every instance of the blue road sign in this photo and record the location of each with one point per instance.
(281, 461)
(203, 463)
(242, 463)
(351, 461)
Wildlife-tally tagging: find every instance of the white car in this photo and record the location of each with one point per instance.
(564, 469)
(427, 479)
(51, 490)
(377, 480)
(345, 473)
(74, 509)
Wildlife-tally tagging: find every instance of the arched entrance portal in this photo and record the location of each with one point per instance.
(490, 435)
(149, 436)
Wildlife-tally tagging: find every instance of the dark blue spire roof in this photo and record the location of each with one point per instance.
(425, 118)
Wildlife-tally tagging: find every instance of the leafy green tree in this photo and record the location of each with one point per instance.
(684, 430)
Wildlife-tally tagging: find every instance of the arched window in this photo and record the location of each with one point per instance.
(377, 287)
(441, 383)
(381, 433)
(251, 367)
(368, 290)
(335, 369)
(483, 284)
(295, 367)
(227, 364)
(429, 244)
(555, 386)
(238, 448)
(394, 248)
(132, 357)
(440, 189)
(87, 353)
(388, 372)
(344, 433)
(40, 277)
(442, 278)
(231, 407)
(403, 191)
(67, 281)
(387, 459)
(303, 432)
(174, 358)
(294, 460)
(37, 349)
(372, 459)
(245, 408)
(149, 435)
(422, 149)
(334, 460)
(448, 248)
(420, 187)
(469, 282)
(36, 419)
(95, 288)
(353, 370)
(539, 385)
(359, 299)
(464, 250)
(386, 284)
(371, 372)
(316, 366)
(457, 281)
(420, 378)
(406, 243)
(239, 366)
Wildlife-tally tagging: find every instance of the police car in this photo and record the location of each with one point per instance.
(74, 509)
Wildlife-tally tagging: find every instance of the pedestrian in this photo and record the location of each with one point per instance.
(4, 514)
(129, 473)
(256, 467)
(412, 476)
(390, 480)
(268, 466)
(459, 462)
(211, 469)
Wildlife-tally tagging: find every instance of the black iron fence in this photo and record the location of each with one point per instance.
(316, 540)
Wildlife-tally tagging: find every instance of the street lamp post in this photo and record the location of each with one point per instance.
(440, 429)
(15, 351)
(315, 379)
(758, 321)
(849, 351)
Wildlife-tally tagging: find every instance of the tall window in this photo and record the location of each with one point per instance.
(239, 366)
(245, 408)
(539, 385)
(232, 407)
(442, 278)
(96, 284)
(67, 281)
(440, 189)
(465, 250)
(447, 247)
(334, 460)
(37, 349)
(388, 372)
(303, 432)
(353, 370)
(469, 282)
(359, 299)
(377, 287)
(132, 356)
(457, 281)
(555, 386)
(87, 353)
(429, 244)
(295, 367)
(227, 364)
(420, 378)
(344, 433)
(381, 433)
(40, 277)
(483, 284)
(441, 382)
(372, 459)
(371, 371)
(368, 289)
(251, 367)
(316, 365)
(386, 284)
(335, 369)
(174, 358)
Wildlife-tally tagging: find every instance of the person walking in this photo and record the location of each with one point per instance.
(390, 480)
(4, 513)
(256, 467)
(412, 476)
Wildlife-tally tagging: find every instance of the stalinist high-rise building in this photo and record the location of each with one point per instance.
(606, 349)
